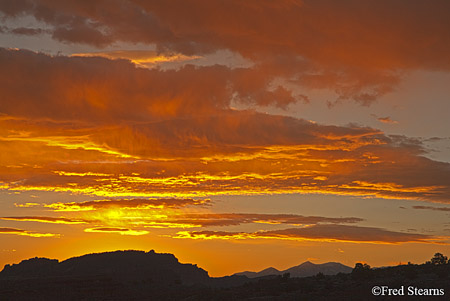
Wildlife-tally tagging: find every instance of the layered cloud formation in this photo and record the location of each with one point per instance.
(346, 47)
(109, 128)
(323, 233)
(155, 134)
(135, 217)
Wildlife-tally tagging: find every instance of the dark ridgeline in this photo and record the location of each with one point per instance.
(305, 269)
(119, 265)
(138, 275)
(106, 276)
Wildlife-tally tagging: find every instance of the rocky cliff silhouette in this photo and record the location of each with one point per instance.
(118, 265)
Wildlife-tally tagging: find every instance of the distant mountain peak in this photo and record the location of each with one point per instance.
(270, 270)
(305, 269)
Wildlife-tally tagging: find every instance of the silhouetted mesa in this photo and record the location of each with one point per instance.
(118, 265)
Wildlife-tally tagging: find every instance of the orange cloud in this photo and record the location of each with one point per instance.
(165, 213)
(26, 233)
(52, 220)
(102, 84)
(177, 136)
(386, 119)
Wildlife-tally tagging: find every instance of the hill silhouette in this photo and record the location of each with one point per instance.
(106, 276)
(305, 269)
(139, 275)
(120, 265)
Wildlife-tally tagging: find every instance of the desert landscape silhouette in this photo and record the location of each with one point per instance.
(139, 275)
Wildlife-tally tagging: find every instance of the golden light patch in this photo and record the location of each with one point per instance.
(71, 143)
(121, 231)
(26, 205)
(141, 58)
(82, 174)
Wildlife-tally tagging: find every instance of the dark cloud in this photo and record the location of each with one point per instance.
(341, 233)
(447, 209)
(11, 230)
(350, 233)
(127, 204)
(93, 88)
(14, 8)
(203, 25)
(81, 32)
(26, 232)
(358, 49)
(27, 31)
(230, 219)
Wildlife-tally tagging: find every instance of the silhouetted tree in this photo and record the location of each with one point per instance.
(361, 267)
(439, 259)
(362, 271)
(320, 275)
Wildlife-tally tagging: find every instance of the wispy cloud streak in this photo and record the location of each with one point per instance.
(321, 233)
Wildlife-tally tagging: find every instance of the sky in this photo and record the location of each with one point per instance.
(236, 135)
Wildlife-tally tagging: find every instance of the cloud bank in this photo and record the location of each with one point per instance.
(176, 134)
(322, 233)
(349, 50)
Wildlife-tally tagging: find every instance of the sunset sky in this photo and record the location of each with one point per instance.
(236, 135)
